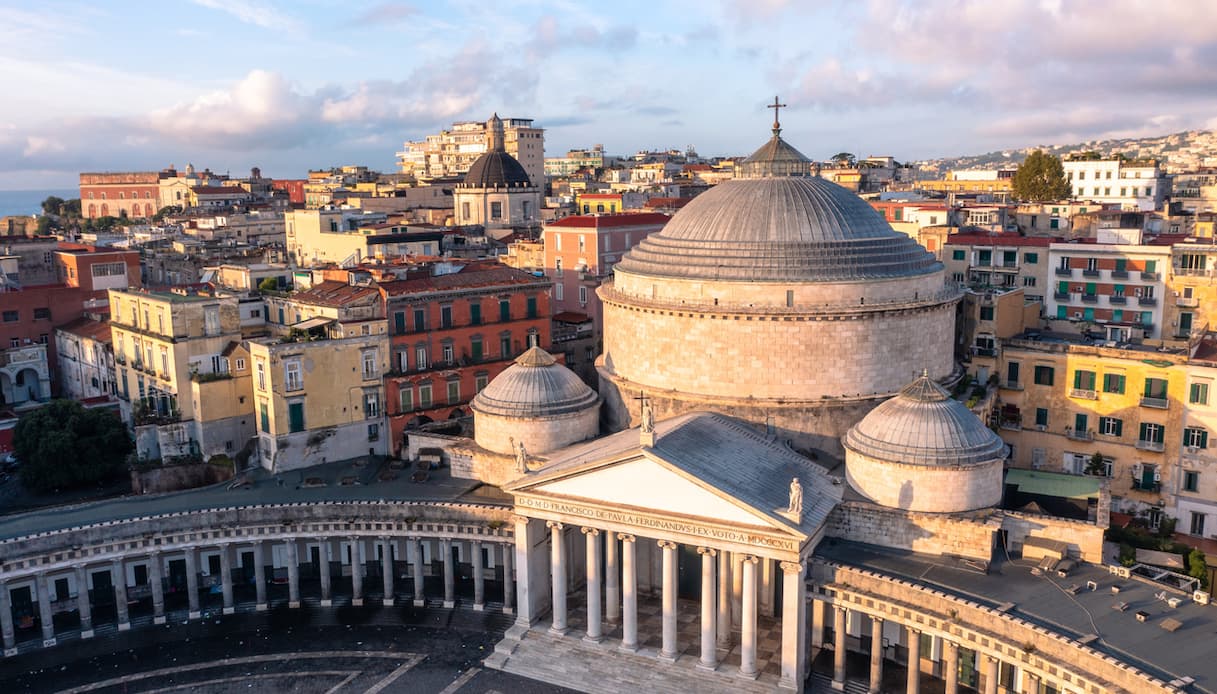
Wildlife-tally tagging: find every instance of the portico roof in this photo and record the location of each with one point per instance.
(704, 470)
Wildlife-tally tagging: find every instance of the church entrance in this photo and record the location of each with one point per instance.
(688, 573)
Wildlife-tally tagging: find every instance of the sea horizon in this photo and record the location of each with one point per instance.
(29, 202)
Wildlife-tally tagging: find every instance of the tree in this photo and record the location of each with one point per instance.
(1041, 178)
(53, 205)
(843, 159)
(268, 284)
(64, 445)
(1096, 466)
(1197, 567)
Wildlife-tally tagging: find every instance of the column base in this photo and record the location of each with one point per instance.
(419, 602)
(124, 626)
(558, 631)
(666, 658)
(47, 643)
(628, 647)
(449, 604)
(86, 634)
(293, 604)
(388, 602)
(327, 603)
(787, 683)
(230, 610)
(261, 607)
(710, 667)
(839, 686)
(356, 602)
(478, 608)
(10, 652)
(159, 619)
(509, 610)
(747, 675)
(592, 639)
(195, 614)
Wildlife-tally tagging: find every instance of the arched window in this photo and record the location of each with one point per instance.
(147, 209)
(92, 209)
(122, 195)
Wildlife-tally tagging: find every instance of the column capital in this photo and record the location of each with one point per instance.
(840, 608)
(590, 531)
(666, 544)
(912, 629)
(554, 525)
(626, 537)
(792, 567)
(991, 659)
(518, 518)
(707, 551)
(749, 558)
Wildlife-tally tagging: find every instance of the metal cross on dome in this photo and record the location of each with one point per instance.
(776, 105)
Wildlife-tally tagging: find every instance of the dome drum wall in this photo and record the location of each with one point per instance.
(790, 358)
(538, 434)
(925, 488)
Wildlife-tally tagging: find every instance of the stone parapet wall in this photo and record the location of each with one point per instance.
(930, 533)
(1085, 539)
(1051, 656)
(925, 488)
(798, 358)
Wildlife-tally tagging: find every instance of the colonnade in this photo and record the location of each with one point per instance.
(43, 584)
(729, 588)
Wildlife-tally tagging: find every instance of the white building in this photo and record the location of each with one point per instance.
(452, 152)
(86, 360)
(1139, 185)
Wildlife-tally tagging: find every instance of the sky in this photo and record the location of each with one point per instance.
(288, 85)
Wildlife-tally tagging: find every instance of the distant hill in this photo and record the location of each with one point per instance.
(1182, 151)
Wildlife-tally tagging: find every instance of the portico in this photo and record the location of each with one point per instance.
(639, 510)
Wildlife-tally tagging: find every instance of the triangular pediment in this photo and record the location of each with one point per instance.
(651, 484)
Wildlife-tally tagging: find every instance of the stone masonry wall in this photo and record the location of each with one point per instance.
(918, 532)
(538, 434)
(1085, 540)
(926, 488)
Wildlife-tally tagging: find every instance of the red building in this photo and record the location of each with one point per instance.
(133, 194)
(294, 187)
(451, 334)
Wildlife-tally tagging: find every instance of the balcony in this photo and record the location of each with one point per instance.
(1156, 403)
(1150, 276)
(1083, 394)
(984, 351)
(1090, 298)
(1118, 300)
(1012, 385)
(1147, 301)
(1156, 446)
(1060, 296)
(1086, 435)
(1092, 273)
(1143, 486)
(1119, 274)
(1064, 272)
(1187, 302)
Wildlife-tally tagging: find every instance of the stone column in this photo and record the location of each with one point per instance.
(1031, 683)
(45, 617)
(747, 665)
(913, 681)
(612, 579)
(156, 580)
(557, 573)
(724, 599)
(950, 666)
(838, 641)
(876, 655)
(817, 623)
(323, 572)
(509, 590)
(226, 578)
(991, 674)
(7, 632)
(118, 574)
(416, 568)
(479, 577)
(259, 575)
(192, 584)
(531, 569)
(629, 595)
(592, 563)
(83, 607)
(668, 652)
(356, 573)
(293, 573)
(794, 625)
(737, 589)
(445, 547)
(386, 570)
(709, 613)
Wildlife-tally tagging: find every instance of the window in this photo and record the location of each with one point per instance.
(42, 314)
(445, 316)
(986, 313)
(475, 349)
(371, 405)
(11, 316)
(582, 244)
(424, 395)
(1044, 375)
(264, 415)
(369, 364)
(1111, 426)
(505, 345)
(295, 417)
(420, 357)
(465, 211)
(959, 255)
(475, 313)
(1028, 281)
(1083, 380)
(1195, 437)
(373, 432)
(260, 368)
(1041, 417)
(1081, 423)
(582, 296)
(293, 379)
(1191, 480)
(531, 310)
(480, 381)
(405, 398)
(420, 320)
(1197, 523)
(1198, 394)
(1151, 433)
(1031, 258)
(496, 210)
(448, 352)
(1155, 388)
(559, 293)
(211, 320)
(399, 323)
(1113, 383)
(454, 392)
(505, 309)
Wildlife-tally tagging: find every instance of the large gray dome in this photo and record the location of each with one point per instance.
(535, 386)
(924, 425)
(779, 228)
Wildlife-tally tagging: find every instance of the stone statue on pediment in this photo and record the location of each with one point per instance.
(796, 498)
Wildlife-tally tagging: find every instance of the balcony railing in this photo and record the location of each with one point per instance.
(1060, 296)
(1083, 394)
(1064, 272)
(1012, 385)
(1119, 274)
(1120, 300)
(984, 351)
(1090, 298)
(1143, 486)
(1156, 403)
(1091, 273)
(1085, 435)
(1151, 445)
(1150, 276)
(1187, 302)
(1147, 301)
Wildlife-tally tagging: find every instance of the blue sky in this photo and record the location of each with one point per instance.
(288, 85)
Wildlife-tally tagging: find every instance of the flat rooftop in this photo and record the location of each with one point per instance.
(1045, 600)
(1048, 338)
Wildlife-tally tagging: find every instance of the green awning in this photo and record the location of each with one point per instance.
(1053, 484)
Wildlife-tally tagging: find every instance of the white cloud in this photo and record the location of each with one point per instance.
(252, 12)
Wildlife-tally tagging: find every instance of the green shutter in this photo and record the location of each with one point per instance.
(475, 314)
(295, 416)
(1088, 314)
(1121, 264)
(1117, 315)
(265, 419)
(1032, 258)
(476, 350)
(399, 322)
(1062, 287)
(504, 311)
(532, 307)
(1041, 416)
(1090, 288)
(1079, 423)
(1062, 312)
(1077, 380)
(957, 255)
(1151, 265)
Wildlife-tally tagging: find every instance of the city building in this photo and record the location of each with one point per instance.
(1190, 302)
(451, 153)
(575, 160)
(86, 361)
(329, 235)
(1118, 290)
(998, 260)
(1131, 184)
(497, 192)
(135, 195)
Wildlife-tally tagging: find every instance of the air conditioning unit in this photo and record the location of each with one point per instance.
(1077, 314)
(1041, 427)
(1193, 450)
(1201, 596)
